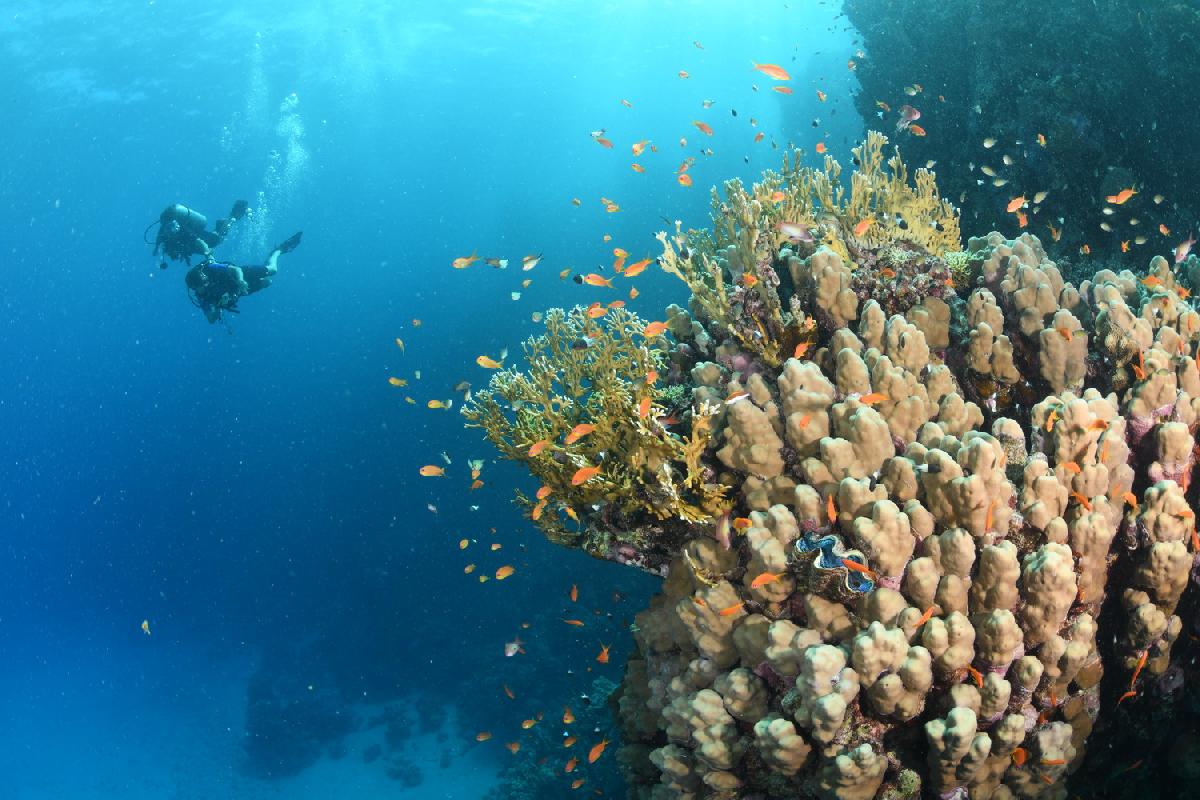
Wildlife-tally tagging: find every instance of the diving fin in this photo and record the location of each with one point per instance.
(291, 244)
(239, 210)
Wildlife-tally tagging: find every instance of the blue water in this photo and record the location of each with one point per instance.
(251, 489)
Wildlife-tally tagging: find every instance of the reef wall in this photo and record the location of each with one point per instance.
(1101, 81)
(923, 510)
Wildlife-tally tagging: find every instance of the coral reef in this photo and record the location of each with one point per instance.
(892, 567)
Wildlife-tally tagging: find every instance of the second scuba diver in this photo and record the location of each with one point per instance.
(182, 232)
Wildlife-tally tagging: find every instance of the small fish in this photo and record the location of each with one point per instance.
(1007, 159)
(592, 279)
(1183, 248)
(537, 447)
(821, 96)
(736, 397)
(514, 747)
(872, 399)
(568, 717)
(487, 362)
(976, 675)
(574, 622)
(684, 179)
(758, 137)
(998, 182)
(863, 225)
(145, 626)
(583, 475)
(526, 724)
(578, 432)
(801, 349)
(597, 751)
(644, 408)
(654, 329)
(794, 231)
(916, 130)
(1022, 220)
(463, 262)
(529, 262)
(763, 579)
(433, 471)
(820, 148)
(397, 382)
(703, 127)
(729, 612)
(603, 656)
(1016, 203)
(1120, 197)
(1125, 246)
(637, 167)
(830, 509)
(1104, 226)
(1071, 467)
(1020, 756)
(989, 143)
(1083, 501)
(1053, 762)
(986, 170)
(505, 571)
(483, 736)
(683, 74)
(773, 71)
(857, 567)
(498, 263)
(1041, 139)
(1053, 415)
(600, 140)
(928, 615)
(570, 767)
(637, 268)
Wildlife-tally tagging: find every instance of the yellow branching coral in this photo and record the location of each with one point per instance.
(589, 373)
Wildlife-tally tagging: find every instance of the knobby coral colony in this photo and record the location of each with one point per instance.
(891, 567)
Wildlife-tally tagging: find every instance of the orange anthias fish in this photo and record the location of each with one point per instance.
(568, 716)
(1015, 204)
(570, 767)
(575, 622)
(600, 140)
(638, 147)
(830, 509)
(463, 262)
(603, 656)
(637, 167)
(578, 432)
(928, 615)
(857, 567)
(703, 127)
(821, 95)
(684, 179)
(654, 329)
(644, 408)
(583, 475)
(597, 751)
(638, 267)
(774, 71)
(1020, 756)
(763, 579)
(1120, 197)
(514, 747)
(504, 572)
(916, 130)
(820, 148)
(782, 89)
(730, 611)
(862, 226)
(592, 279)
(483, 736)
(537, 447)
(488, 362)
(433, 471)
(872, 399)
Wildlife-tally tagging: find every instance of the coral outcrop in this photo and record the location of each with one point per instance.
(893, 566)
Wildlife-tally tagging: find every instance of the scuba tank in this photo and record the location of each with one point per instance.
(184, 217)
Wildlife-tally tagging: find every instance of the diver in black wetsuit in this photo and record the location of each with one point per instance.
(216, 286)
(182, 232)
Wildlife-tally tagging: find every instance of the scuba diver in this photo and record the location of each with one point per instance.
(182, 234)
(216, 286)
